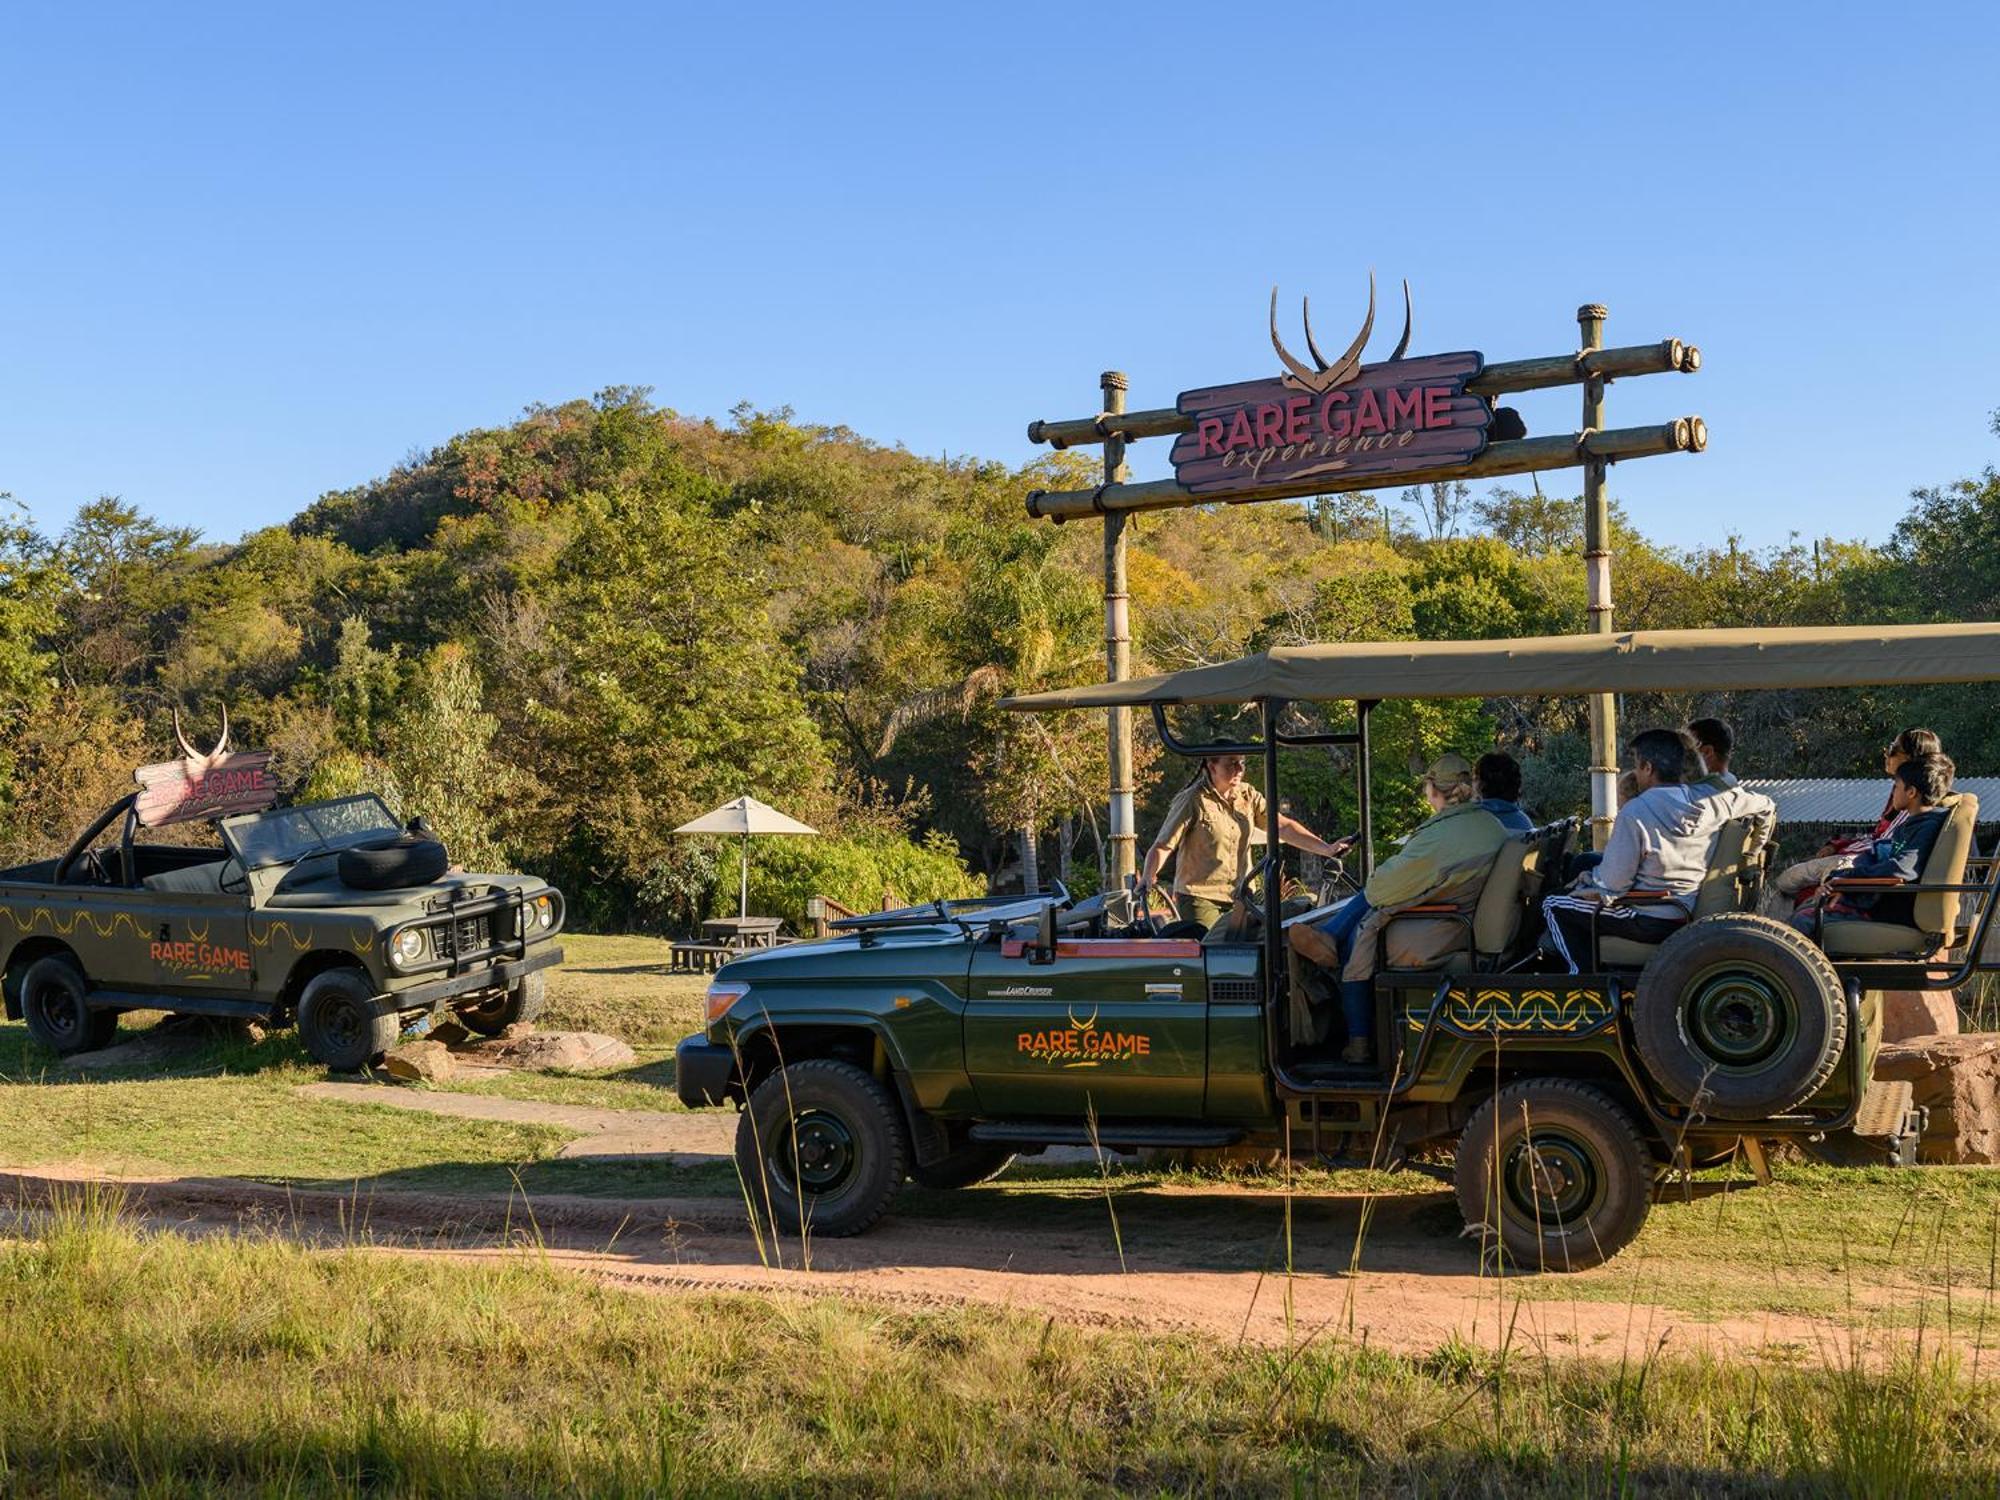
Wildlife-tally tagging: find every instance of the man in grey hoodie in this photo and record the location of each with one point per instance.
(1658, 853)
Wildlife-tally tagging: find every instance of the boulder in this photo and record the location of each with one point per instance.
(1957, 1078)
(449, 1032)
(550, 1051)
(1914, 1013)
(423, 1061)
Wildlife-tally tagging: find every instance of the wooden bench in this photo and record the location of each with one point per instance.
(699, 958)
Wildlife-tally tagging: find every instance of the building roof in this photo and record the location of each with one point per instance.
(1858, 801)
(1819, 656)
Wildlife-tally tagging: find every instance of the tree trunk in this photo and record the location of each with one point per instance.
(1031, 874)
(1065, 844)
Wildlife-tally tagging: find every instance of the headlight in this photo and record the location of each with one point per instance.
(408, 947)
(545, 912)
(721, 995)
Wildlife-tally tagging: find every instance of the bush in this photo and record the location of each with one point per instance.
(858, 870)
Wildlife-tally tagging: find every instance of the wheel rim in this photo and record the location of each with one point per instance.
(343, 1024)
(827, 1154)
(1739, 1016)
(61, 1012)
(1552, 1177)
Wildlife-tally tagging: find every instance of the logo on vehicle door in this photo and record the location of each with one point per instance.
(1082, 1045)
(1021, 992)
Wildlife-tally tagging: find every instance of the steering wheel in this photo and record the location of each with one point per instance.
(87, 869)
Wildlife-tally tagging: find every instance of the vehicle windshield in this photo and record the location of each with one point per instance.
(286, 834)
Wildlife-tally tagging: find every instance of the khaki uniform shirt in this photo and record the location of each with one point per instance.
(1211, 837)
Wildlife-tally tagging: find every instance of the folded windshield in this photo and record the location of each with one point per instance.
(286, 834)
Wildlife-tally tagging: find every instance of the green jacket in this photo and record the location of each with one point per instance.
(1447, 859)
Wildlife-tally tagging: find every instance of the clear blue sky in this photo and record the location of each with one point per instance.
(248, 255)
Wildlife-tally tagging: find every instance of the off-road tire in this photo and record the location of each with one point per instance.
(1577, 1200)
(1743, 1010)
(339, 1024)
(828, 1122)
(54, 1003)
(965, 1165)
(524, 1002)
(393, 864)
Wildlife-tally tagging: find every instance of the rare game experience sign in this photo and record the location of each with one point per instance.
(1339, 419)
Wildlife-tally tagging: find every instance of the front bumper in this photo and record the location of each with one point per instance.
(702, 1072)
(498, 977)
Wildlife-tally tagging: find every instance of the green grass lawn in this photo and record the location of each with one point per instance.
(161, 1366)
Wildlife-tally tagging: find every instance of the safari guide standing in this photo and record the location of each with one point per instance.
(1209, 830)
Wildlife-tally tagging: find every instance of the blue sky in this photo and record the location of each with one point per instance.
(249, 255)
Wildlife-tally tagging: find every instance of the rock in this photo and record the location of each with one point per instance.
(550, 1051)
(424, 1061)
(518, 1029)
(1957, 1078)
(449, 1032)
(1915, 1013)
(144, 1051)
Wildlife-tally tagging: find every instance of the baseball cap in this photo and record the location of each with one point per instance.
(1449, 770)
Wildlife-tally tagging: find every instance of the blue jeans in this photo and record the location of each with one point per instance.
(1357, 996)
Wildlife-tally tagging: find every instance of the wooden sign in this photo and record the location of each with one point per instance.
(1396, 417)
(213, 786)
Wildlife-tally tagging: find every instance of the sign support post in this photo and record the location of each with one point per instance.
(1597, 566)
(1118, 640)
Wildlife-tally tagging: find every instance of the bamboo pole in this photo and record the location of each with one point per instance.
(1118, 644)
(1520, 456)
(1666, 357)
(1597, 567)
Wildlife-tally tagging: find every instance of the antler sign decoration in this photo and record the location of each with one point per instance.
(1331, 418)
(212, 783)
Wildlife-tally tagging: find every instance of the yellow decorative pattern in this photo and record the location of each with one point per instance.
(81, 916)
(1569, 1011)
(300, 942)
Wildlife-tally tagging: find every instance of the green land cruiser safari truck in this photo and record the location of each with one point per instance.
(934, 1043)
(330, 912)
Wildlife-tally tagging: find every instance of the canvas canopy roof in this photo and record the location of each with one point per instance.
(1636, 661)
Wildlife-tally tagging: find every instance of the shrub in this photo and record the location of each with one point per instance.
(858, 870)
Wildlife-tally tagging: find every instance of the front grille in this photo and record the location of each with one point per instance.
(466, 935)
(1234, 992)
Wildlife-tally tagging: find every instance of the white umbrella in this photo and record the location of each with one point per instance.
(745, 816)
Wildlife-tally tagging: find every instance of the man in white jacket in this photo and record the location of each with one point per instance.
(1644, 890)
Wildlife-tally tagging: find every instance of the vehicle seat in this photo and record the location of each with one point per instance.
(1731, 883)
(1936, 911)
(194, 880)
(1415, 942)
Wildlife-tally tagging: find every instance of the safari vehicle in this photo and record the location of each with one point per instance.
(937, 1041)
(329, 911)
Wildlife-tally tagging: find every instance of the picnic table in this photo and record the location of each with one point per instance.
(743, 932)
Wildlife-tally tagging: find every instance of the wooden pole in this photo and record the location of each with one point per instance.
(1515, 456)
(1118, 643)
(1667, 356)
(1597, 568)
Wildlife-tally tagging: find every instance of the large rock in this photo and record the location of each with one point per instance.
(1915, 1013)
(551, 1051)
(423, 1061)
(1957, 1078)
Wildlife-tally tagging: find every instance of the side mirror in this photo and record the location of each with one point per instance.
(1045, 936)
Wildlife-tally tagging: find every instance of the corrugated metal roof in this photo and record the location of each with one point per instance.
(1858, 800)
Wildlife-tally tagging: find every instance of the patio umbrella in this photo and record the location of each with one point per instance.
(745, 816)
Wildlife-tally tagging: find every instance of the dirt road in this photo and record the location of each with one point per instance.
(1209, 1262)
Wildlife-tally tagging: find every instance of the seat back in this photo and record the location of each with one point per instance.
(1936, 911)
(1496, 920)
(1733, 862)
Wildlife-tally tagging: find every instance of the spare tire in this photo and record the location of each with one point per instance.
(1742, 1011)
(391, 864)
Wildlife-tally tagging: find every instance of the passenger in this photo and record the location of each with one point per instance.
(1657, 855)
(1445, 861)
(1713, 743)
(1797, 885)
(1922, 784)
(1499, 778)
(1209, 827)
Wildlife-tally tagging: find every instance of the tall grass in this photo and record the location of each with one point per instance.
(140, 1364)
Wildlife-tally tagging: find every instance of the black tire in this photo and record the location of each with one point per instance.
(966, 1164)
(393, 864)
(524, 1002)
(1554, 1172)
(1743, 1010)
(55, 1004)
(821, 1146)
(339, 1024)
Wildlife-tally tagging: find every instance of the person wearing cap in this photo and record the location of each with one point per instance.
(1444, 863)
(1209, 829)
